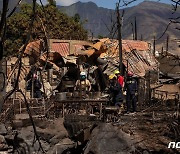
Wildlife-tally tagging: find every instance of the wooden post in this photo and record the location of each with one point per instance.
(149, 87)
(119, 26)
(63, 112)
(100, 111)
(32, 88)
(41, 77)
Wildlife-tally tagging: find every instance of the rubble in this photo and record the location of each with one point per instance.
(63, 116)
(151, 130)
(169, 63)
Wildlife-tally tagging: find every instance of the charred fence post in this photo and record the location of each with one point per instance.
(148, 88)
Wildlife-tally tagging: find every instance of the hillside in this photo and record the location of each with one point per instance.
(152, 19)
(95, 16)
(153, 15)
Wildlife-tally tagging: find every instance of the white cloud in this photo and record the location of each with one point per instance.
(65, 2)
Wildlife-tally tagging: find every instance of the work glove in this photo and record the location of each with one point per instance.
(124, 93)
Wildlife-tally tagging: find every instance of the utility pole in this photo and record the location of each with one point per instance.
(135, 27)
(132, 31)
(167, 43)
(119, 26)
(154, 46)
(141, 37)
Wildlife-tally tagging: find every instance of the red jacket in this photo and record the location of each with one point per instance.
(121, 80)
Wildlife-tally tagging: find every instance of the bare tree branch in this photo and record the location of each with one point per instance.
(175, 5)
(126, 3)
(19, 2)
(164, 31)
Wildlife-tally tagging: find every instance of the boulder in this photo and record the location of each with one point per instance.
(62, 146)
(3, 144)
(107, 139)
(3, 130)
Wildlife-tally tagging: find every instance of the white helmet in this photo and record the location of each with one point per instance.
(83, 73)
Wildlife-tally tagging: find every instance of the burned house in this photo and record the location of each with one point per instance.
(61, 63)
(58, 68)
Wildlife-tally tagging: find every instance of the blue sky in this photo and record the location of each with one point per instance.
(103, 3)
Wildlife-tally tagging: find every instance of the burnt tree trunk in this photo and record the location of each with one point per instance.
(2, 81)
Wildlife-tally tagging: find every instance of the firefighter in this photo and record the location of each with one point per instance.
(131, 92)
(116, 90)
(36, 87)
(83, 84)
(119, 78)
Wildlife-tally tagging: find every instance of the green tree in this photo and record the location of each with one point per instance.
(52, 2)
(77, 18)
(100, 36)
(57, 25)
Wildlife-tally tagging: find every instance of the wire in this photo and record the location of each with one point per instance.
(22, 52)
(19, 2)
(16, 83)
(32, 122)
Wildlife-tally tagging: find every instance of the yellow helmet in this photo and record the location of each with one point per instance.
(116, 72)
(112, 76)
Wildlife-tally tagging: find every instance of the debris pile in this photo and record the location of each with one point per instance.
(64, 114)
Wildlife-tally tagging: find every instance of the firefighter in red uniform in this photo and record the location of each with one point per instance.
(119, 78)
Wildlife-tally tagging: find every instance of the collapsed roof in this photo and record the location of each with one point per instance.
(137, 55)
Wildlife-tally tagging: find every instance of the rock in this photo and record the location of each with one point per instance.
(17, 123)
(21, 120)
(27, 133)
(3, 130)
(21, 116)
(4, 152)
(50, 133)
(108, 139)
(45, 134)
(62, 146)
(3, 144)
(58, 137)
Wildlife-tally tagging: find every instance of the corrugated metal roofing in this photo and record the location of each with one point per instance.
(129, 45)
(63, 48)
(136, 56)
(77, 48)
(34, 47)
